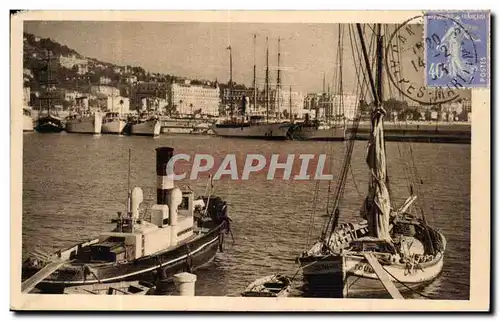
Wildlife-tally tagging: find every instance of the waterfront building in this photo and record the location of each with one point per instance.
(72, 61)
(234, 96)
(113, 103)
(104, 80)
(346, 105)
(104, 90)
(187, 99)
(284, 102)
(131, 79)
(144, 94)
(26, 96)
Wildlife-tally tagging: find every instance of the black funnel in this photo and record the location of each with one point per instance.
(163, 155)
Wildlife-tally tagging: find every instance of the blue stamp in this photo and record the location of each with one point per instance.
(456, 49)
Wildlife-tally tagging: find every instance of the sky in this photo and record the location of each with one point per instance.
(197, 50)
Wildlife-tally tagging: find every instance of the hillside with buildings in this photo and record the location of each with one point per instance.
(76, 81)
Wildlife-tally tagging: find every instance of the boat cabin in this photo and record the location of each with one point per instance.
(133, 238)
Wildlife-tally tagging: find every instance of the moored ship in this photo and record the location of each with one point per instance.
(254, 128)
(84, 123)
(316, 130)
(144, 126)
(113, 123)
(178, 234)
(27, 120)
(49, 123)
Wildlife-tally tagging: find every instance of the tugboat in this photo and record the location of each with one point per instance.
(174, 237)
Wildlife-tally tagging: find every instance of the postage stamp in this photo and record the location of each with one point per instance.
(456, 49)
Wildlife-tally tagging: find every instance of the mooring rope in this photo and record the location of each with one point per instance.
(406, 286)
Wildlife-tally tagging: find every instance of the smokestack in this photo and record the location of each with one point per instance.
(165, 183)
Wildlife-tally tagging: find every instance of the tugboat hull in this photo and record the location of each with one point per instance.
(185, 257)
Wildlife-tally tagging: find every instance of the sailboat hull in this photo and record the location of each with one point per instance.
(347, 273)
(49, 124)
(361, 280)
(278, 131)
(340, 276)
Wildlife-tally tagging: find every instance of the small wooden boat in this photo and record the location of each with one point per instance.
(275, 285)
(118, 288)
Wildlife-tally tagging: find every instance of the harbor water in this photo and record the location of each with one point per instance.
(73, 185)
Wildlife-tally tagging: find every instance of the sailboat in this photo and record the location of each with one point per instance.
(251, 126)
(49, 121)
(349, 259)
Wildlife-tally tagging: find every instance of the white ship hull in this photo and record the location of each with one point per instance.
(326, 134)
(85, 125)
(27, 123)
(148, 128)
(260, 131)
(114, 126)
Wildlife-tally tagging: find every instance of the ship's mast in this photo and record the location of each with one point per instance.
(254, 73)
(278, 85)
(290, 107)
(267, 80)
(323, 83)
(231, 80)
(378, 201)
(48, 84)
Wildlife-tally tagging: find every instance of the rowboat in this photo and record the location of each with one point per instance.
(275, 285)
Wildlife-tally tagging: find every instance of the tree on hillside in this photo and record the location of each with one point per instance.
(394, 105)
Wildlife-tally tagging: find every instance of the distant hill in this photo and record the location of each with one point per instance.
(36, 49)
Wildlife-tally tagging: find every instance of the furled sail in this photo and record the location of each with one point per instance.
(377, 204)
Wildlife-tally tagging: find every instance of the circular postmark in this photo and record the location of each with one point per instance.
(434, 68)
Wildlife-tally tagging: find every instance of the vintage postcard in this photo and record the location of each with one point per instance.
(250, 160)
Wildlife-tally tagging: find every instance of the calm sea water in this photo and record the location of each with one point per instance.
(73, 185)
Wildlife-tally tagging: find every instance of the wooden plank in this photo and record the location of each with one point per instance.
(39, 276)
(383, 276)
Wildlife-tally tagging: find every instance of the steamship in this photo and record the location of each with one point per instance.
(144, 125)
(181, 234)
(84, 123)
